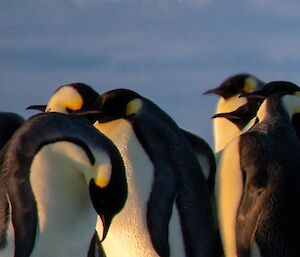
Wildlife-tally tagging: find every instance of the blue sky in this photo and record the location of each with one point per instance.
(170, 51)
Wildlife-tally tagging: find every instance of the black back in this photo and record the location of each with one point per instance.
(9, 123)
(178, 177)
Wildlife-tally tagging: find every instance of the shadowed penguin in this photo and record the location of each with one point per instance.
(229, 92)
(57, 174)
(257, 183)
(167, 212)
(9, 123)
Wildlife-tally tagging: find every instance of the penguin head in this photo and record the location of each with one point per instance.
(286, 103)
(119, 103)
(237, 84)
(271, 88)
(108, 189)
(242, 115)
(70, 98)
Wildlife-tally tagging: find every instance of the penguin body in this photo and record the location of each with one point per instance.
(256, 185)
(176, 215)
(229, 91)
(9, 123)
(57, 174)
(205, 157)
(124, 136)
(74, 97)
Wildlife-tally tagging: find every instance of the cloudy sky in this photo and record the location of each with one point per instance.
(170, 51)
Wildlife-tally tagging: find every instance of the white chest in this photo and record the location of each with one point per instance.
(66, 216)
(128, 234)
(224, 130)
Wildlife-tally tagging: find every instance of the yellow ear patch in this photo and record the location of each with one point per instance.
(250, 85)
(65, 97)
(103, 175)
(74, 104)
(297, 93)
(134, 106)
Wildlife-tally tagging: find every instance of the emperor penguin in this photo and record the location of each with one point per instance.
(229, 91)
(57, 174)
(81, 97)
(257, 183)
(63, 100)
(9, 123)
(168, 211)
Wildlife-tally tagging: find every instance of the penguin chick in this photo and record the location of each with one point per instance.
(229, 91)
(57, 173)
(257, 184)
(168, 212)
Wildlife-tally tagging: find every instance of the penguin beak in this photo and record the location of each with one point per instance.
(227, 115)
(257, 96)
(41, 108)
(246, 111)
(216, 91)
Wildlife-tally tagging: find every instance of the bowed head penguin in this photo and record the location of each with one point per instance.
(229, 91)
(57, 174)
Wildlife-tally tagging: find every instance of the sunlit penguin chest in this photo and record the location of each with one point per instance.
(66, 217)
(224, 130)
(128, 235)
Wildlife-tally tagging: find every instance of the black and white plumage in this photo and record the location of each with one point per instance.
(74, 97)
(57, 174)
(229, 91)
(257, 184)
(168, 211)
(65, 94)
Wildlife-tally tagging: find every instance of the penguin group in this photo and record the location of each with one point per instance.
(111, 174)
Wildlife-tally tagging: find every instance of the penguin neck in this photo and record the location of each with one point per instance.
(224, 130)
(279, 106)
(128, 234)
(65, 211)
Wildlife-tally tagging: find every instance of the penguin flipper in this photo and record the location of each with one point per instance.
(159, 207)
(205, 156)
(195, 211)
(21, 198)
